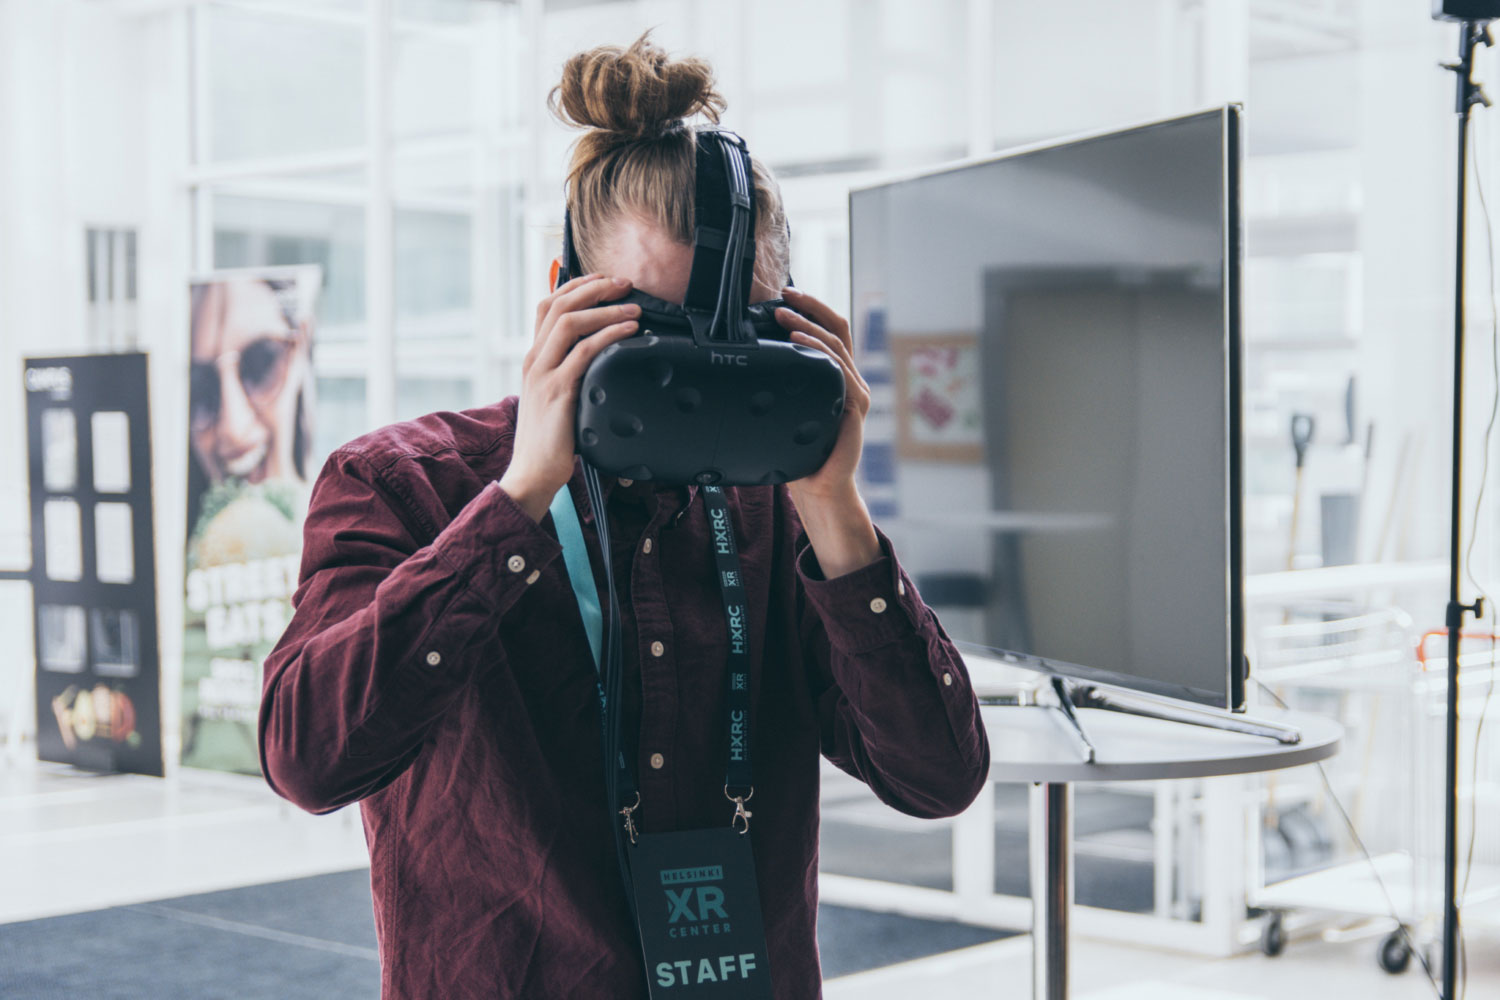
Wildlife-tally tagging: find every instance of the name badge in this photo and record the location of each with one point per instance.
(699, 915)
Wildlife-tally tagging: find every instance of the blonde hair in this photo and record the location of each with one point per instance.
(639, 155)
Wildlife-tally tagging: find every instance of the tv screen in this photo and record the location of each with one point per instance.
(1052, 338)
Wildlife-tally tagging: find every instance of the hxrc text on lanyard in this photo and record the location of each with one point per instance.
(694, 892)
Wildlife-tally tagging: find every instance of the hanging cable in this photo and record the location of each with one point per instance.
(1369, 859)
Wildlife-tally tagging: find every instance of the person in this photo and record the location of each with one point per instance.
(437, 670)
(249, 396)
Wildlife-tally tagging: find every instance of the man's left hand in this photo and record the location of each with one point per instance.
(837, 523)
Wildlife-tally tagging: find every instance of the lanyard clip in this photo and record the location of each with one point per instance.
(741, 814)
(630, 820)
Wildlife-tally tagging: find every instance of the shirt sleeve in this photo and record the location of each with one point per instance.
(895, 704)
(386, 631)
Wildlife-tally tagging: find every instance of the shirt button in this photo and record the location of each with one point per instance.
(627, 482)
(434, 658)
(533, 577)
(646, 546)
(516, 564)
(877, 605)
(657, 760)
(657, 648)
(948, 679)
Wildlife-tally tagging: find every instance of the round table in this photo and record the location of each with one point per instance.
(1035, 745)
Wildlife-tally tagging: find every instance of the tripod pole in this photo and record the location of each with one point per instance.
(1469, 94)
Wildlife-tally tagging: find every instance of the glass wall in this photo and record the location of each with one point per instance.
(405, 147)
(365, 138)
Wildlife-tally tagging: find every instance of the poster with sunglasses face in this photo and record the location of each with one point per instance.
(250, 413)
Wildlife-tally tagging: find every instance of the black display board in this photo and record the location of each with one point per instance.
(93, 567)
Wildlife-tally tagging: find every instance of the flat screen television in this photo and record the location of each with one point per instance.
(1052, 336)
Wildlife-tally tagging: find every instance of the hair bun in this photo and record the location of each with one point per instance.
(635, 93)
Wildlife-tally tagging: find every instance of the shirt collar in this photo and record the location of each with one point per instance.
(607, 484)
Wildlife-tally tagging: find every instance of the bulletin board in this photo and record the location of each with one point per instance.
(93, 575)
(938, 406)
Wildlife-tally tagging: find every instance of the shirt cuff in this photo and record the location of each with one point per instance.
(863, 610)
(496, 547)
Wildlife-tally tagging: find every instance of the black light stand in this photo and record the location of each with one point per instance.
(1473, 33)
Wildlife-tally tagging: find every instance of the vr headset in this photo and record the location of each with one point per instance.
(711, 391)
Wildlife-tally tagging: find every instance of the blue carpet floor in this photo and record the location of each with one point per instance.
(314, 939)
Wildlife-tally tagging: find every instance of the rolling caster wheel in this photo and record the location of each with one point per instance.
(1394, 954)
(1273, 936)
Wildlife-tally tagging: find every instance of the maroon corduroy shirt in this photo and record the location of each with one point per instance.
(437, 672)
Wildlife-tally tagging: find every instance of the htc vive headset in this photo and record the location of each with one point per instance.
(711, 391)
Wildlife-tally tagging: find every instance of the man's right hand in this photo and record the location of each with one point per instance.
(572, 327)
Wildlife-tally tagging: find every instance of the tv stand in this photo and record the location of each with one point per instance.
(1065, 707)
(1038, 736)
(1072, 695)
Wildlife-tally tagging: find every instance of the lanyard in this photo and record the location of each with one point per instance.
(690, 946)
(620, 779)
(576, 559)
(732, 589)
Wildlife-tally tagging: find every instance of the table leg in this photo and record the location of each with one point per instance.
(1051, 888)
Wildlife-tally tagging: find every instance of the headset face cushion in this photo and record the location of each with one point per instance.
(658, 406)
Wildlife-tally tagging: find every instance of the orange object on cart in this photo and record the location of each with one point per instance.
(1422, 642)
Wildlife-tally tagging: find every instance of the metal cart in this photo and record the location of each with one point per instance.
(1361, 669)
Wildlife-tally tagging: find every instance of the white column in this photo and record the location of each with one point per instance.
(1408, 144)
(200, 153)
(1225, 52)
(165, 261)
(974, 849)
(380, 255)
(867, 72)
(981, 76)
(493, 74)
(32, 251)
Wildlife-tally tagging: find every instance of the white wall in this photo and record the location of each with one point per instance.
(71, 114)
(90, 102)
